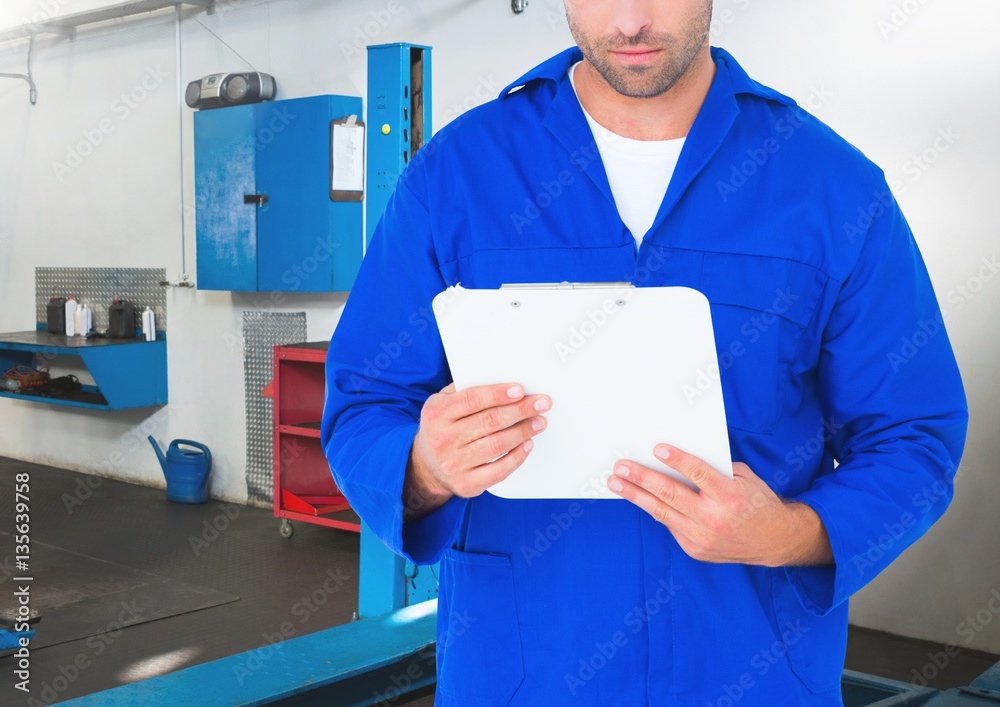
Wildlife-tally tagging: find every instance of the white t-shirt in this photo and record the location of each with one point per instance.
(639, 171)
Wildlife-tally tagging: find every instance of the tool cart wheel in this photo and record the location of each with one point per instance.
(286, 530)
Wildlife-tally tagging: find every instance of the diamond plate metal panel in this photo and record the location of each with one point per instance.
(98, 286)
(262, 331)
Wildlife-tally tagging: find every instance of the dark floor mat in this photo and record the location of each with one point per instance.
(80, 596)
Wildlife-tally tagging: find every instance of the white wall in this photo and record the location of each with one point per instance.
(887, 74)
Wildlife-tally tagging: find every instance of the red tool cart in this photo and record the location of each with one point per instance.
(304, 488)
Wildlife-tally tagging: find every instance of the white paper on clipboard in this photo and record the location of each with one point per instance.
(348, 158)
(626, 368)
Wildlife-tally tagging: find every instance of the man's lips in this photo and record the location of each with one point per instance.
(636, 56)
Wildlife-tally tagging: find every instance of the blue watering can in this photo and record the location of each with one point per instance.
(186, 470)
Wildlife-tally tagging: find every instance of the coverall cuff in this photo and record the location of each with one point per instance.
(819, 588)
(425, 540)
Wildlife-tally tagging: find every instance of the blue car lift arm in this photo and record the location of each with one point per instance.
(283, 671)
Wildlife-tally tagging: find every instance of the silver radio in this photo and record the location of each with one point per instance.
(217, 90)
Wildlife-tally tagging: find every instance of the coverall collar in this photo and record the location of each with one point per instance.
(566, 121)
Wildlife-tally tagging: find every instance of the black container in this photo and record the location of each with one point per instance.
(121, 320)
(55, 315)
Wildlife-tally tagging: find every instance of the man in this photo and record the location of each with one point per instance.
(846, 434)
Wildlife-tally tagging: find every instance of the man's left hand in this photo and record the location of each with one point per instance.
(729, 520)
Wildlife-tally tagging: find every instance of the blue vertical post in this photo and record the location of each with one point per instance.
(398, 124)
(381, 579)
(399, 119)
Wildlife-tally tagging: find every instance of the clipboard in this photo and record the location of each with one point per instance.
(347, 159)
(626, 368)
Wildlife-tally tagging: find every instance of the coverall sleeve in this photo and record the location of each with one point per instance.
(887, 373)
(385, 359)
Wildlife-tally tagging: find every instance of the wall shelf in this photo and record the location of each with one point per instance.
(66, 25)
(129, 373)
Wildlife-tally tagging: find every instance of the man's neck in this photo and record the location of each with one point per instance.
(664, 117)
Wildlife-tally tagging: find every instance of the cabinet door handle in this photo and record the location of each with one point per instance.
(259, 199)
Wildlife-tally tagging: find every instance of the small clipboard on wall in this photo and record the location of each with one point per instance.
(347, 159)
(625, 367)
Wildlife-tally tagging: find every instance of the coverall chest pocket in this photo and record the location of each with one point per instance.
(479, 655)
(761, 307)
(489, 269)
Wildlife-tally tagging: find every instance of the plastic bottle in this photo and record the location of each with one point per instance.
(86, 324)
(149, 324)
(71, 316)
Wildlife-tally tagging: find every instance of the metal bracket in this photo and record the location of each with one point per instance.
(209, 5)
(33, 92)
(259, 199)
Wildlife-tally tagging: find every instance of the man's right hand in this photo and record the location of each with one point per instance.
(468, 441)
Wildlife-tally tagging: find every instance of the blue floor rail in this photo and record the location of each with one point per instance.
(295, 670)
(375, 660)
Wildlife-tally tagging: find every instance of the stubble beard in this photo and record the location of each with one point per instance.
(680, 51)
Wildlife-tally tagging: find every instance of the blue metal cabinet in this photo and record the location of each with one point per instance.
(265, 219)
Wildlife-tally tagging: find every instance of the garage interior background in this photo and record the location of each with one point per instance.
(911, 83)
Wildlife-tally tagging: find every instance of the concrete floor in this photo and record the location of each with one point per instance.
(134, 526)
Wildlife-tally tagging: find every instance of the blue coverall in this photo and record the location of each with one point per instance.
(831, 347)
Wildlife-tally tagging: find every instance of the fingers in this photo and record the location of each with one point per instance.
(670, 491)
(493, 419)
(711, 482)
(486, 475)
(475, 437)
(499, 443)
(463, 403)
(676, 522)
